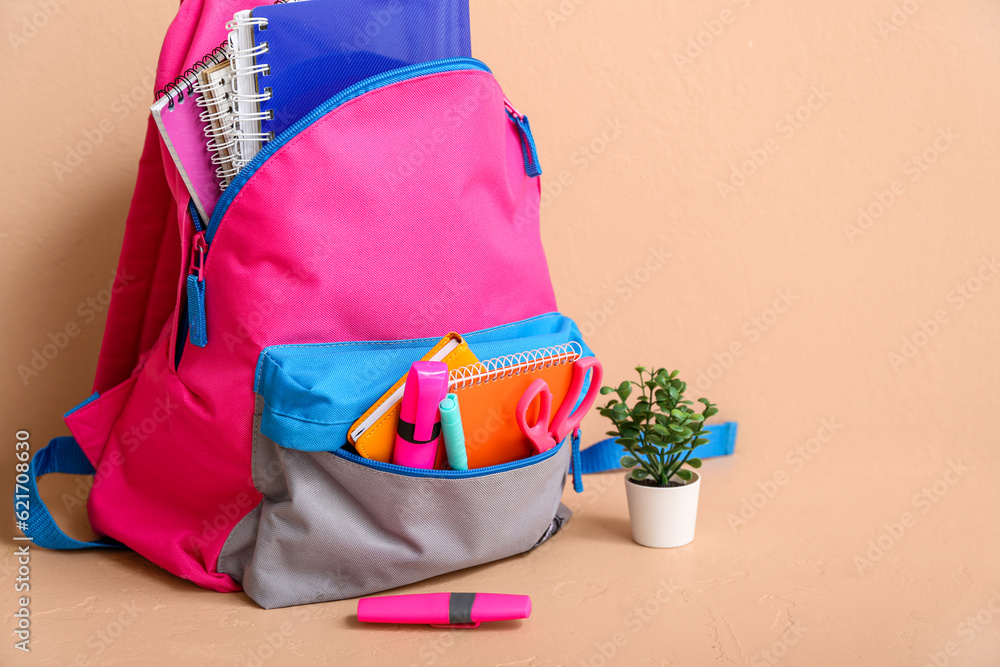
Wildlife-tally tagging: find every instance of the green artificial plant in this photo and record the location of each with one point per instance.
(660, 430)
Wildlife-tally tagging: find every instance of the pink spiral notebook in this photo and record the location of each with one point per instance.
(178, 117)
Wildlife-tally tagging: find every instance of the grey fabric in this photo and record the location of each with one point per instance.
(238, 549)
(329, 528)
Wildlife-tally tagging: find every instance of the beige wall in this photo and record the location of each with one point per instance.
(773, 291)
(640, 129)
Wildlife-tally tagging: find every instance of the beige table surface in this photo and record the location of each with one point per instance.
(795, 584)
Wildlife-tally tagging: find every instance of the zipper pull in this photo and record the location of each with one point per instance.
(196, 291)
(528, 151)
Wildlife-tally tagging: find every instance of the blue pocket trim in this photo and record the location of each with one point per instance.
(314, 392)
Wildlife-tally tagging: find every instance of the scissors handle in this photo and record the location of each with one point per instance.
(538, 433)
(568, 420)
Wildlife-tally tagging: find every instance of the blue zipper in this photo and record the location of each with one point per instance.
(193, 306)
(528, 151)
(346, 95)
(448, 474)
(199, 226)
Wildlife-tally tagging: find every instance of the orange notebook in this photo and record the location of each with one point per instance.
(488, 393)
(374, 433)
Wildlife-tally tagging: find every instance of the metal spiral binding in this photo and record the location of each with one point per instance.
(209, 117)
(514, 364)
(246, 105)
(186, 81)
(210, 90)
(221, 138)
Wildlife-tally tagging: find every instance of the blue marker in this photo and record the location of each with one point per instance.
(454, 436)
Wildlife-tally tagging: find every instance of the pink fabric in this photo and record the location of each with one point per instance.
(149, 265)
(404, 213)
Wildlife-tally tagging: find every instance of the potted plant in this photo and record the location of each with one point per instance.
(659, 431)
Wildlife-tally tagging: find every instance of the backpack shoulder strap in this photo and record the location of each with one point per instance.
(606, 454)
(60, 455)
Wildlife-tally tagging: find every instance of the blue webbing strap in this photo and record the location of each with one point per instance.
(606, 454)
(60, 455)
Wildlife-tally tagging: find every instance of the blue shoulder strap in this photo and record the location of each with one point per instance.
(606, 454)
(60, 455)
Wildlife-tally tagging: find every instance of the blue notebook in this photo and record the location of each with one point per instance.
(306, 52)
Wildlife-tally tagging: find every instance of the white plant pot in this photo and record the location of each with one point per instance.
(663, 517)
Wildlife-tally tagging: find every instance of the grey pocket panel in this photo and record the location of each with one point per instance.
(331, 527)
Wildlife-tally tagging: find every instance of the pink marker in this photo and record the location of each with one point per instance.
(444, 610)
(419, 420)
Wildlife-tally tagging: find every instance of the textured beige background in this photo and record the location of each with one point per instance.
(705, 164)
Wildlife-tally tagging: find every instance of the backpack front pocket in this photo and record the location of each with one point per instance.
(333, 525)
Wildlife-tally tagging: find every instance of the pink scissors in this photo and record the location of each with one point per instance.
(545, 433)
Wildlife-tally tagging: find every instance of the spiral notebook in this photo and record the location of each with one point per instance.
(216, 87)
(288, 59)
(488, 393)
(177, 114)
(195, 120)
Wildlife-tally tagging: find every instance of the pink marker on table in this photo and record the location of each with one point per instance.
(444, 610)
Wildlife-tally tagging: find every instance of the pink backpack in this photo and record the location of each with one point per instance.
(242, 347)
